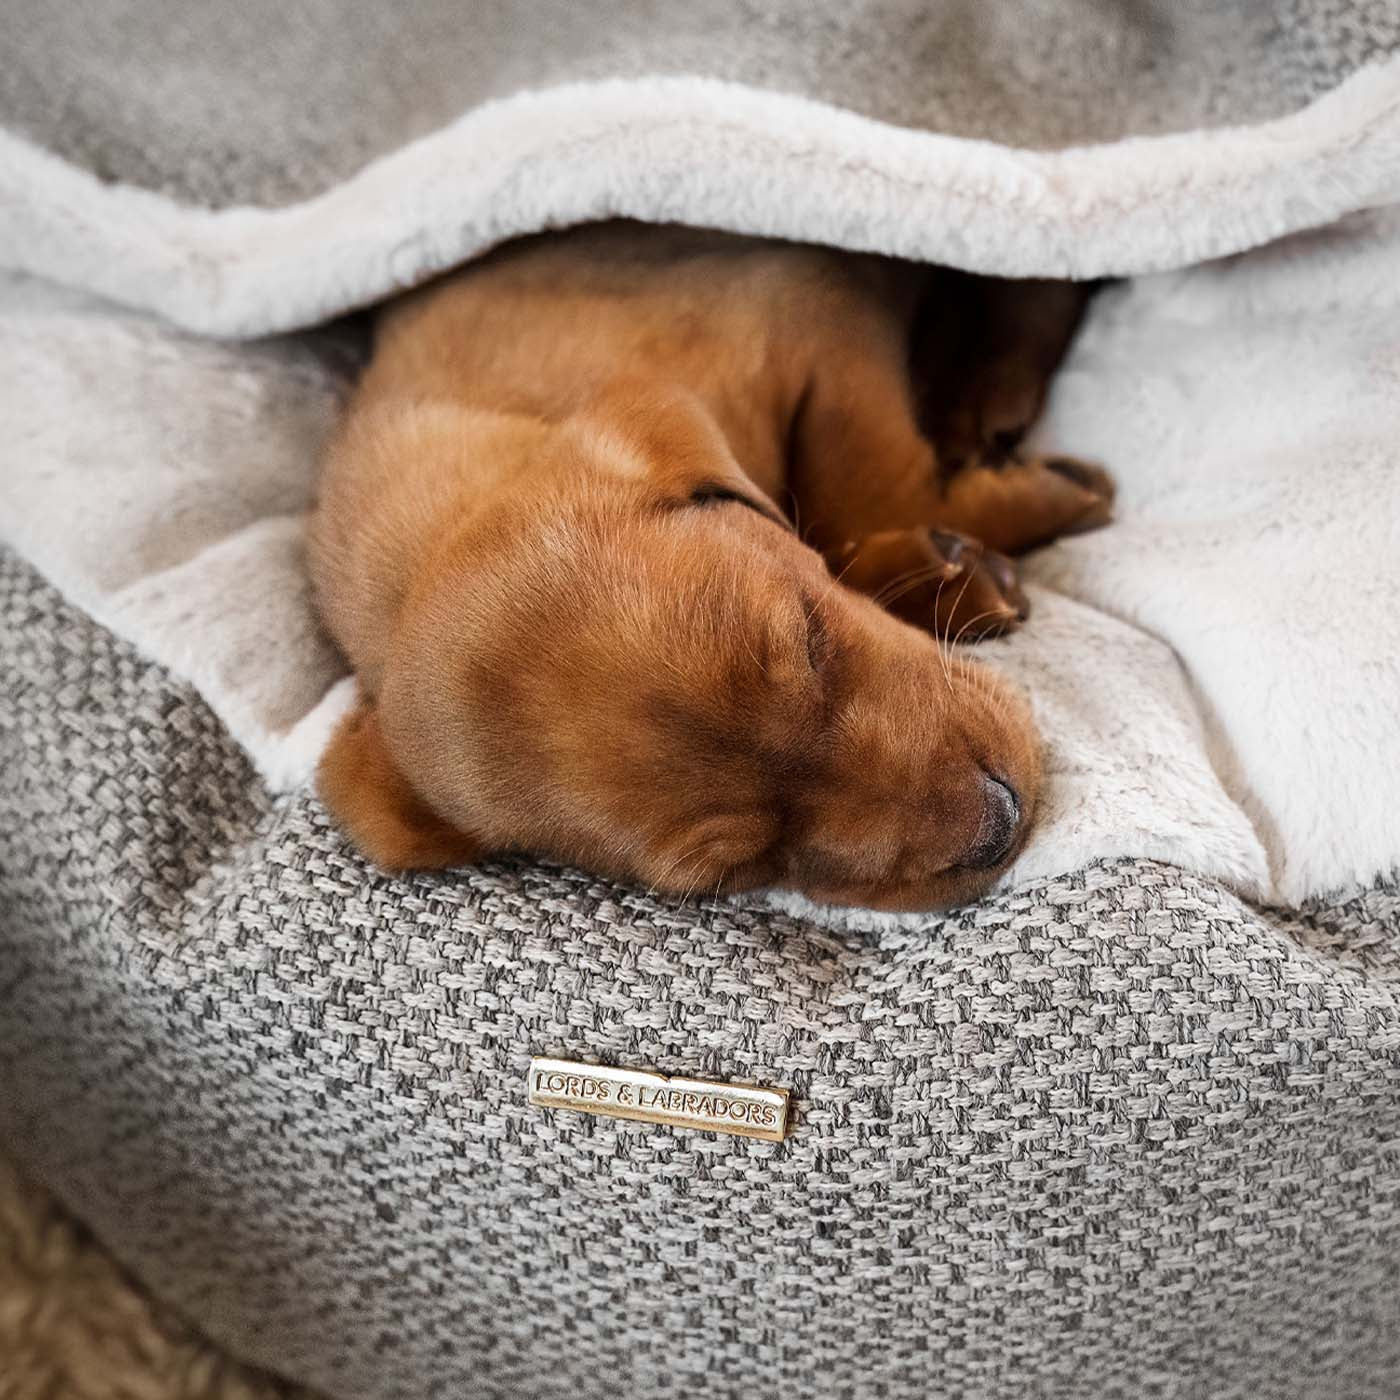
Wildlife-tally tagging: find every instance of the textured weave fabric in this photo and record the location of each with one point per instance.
(1115, 1136)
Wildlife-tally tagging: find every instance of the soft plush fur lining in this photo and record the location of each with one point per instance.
(713, 154)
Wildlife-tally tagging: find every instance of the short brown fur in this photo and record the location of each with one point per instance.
(578, 535)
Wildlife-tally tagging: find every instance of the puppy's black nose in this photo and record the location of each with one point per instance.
(1001, 819)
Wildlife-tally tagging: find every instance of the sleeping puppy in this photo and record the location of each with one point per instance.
(643, 547)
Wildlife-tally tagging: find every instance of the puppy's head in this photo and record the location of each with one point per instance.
(646, 673)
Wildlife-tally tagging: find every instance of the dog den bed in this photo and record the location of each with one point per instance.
(1130, 1127)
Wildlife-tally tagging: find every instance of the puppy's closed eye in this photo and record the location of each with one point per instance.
(714, 492)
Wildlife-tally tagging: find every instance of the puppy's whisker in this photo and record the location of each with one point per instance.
(880, 593)
(944, 646)
(689, 890)
(666, 874)
(911, 582)
(941, 642)
(845, 569)
(901, 584)
(973, 621)
(798, 528)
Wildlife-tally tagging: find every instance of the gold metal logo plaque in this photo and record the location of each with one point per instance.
(656, 1098)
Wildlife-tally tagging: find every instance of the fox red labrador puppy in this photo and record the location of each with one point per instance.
(646, 543)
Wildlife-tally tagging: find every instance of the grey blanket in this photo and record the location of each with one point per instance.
(268, 103)
(258, 167)
(1115, 1134)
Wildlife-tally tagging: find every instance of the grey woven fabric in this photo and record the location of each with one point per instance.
(1117, 1136)
(264, 102)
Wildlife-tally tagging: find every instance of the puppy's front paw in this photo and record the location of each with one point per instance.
(984, 599)
(947, 583)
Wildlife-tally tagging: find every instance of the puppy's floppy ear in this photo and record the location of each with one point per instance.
(688, 454)
(373, 802)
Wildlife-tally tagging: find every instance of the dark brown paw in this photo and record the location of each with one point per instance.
(944, 582)
(984, 599)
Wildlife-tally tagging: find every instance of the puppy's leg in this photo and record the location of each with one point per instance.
(1025, 502)
(869, 493)
(981, 355)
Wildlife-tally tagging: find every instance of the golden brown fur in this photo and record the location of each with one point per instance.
(553, 538)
